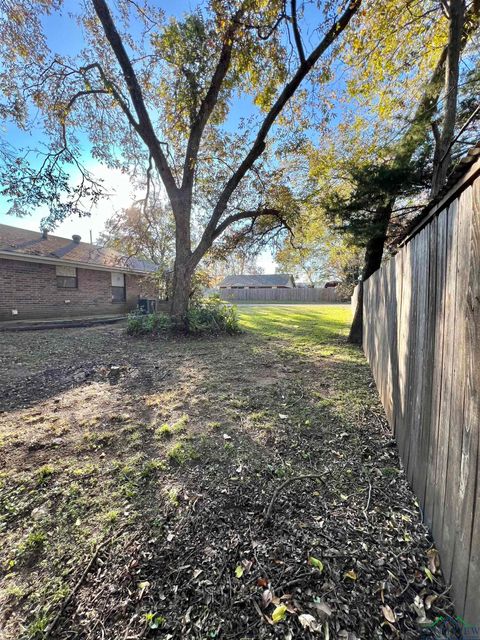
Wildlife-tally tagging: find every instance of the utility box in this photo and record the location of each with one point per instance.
(147, 305)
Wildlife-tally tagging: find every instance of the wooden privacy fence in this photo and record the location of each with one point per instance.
(422, 340)
(280, 295)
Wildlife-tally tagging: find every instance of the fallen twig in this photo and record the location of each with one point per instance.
(68, 599)
(365, 511)
(268, 512)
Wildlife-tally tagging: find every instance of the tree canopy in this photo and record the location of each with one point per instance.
(216, 102)
(147, 90)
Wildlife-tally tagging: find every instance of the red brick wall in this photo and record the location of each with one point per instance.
(31, 288)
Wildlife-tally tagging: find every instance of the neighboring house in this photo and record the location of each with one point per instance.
(45, 276)
(263, 281)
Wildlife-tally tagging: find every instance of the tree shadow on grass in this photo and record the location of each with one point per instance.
(261, 410)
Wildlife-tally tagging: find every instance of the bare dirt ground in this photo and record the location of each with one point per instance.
(152, 489)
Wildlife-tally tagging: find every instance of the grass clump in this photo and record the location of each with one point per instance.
(166, 430)
(95, 440)
(151, 467)
(180, 453)
(87, 470)
(173, 497)
(38, 626)
(44, 473)
(110, 517)
(33, 543)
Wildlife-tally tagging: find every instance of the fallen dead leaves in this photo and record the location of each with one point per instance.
(343, 557)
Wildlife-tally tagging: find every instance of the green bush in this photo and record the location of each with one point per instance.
(205, 316)
(149, 324)
(212, 315)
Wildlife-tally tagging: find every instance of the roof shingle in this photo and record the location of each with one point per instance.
(32, 243)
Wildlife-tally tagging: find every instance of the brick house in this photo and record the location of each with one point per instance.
(45, 276)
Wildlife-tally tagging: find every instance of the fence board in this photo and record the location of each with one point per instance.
(470, 449)
(430, 362)
(462, 505)
(444, 527)
(422, 340)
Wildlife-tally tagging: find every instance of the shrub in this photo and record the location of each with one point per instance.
(149, 324)
(212, 315)
(205, 316)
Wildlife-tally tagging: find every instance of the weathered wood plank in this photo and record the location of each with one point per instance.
(404, 333)
(443, 536)
(422, 339)
(438, 313)
(454, 414)
(430, 250)
(412, 363)
(467, 556)
(455, 493)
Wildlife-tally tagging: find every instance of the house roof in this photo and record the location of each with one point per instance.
(262, 280)
(32, 244)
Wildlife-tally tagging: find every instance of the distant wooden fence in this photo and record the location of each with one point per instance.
(422, 340)
(280, 295)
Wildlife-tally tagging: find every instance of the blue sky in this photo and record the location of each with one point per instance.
(65, 37)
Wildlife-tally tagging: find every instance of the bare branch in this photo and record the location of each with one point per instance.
(296, 32)
(245, 215)
(145, 125)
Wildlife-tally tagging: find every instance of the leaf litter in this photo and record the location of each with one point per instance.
(343, 553)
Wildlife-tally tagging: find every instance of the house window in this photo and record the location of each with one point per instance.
(66, 277)
(118, 287)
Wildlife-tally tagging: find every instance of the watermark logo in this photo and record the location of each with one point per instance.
(451, 628)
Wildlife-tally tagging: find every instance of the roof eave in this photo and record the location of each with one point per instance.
(25, 257)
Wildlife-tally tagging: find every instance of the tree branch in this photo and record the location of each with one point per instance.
(113, 89)
(145, 125)
(245, 215)
(258, 145)
(296, 32)
(209, 101)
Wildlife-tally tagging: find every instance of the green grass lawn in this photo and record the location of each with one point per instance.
(303, 325)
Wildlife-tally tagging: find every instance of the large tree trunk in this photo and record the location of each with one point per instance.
(181, 287)
(184, 266)
(373, 260)
(444, 138)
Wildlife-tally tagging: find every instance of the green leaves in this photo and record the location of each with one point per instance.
(315, 563)
(279, 614)
(429, 574)
(154, 621)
